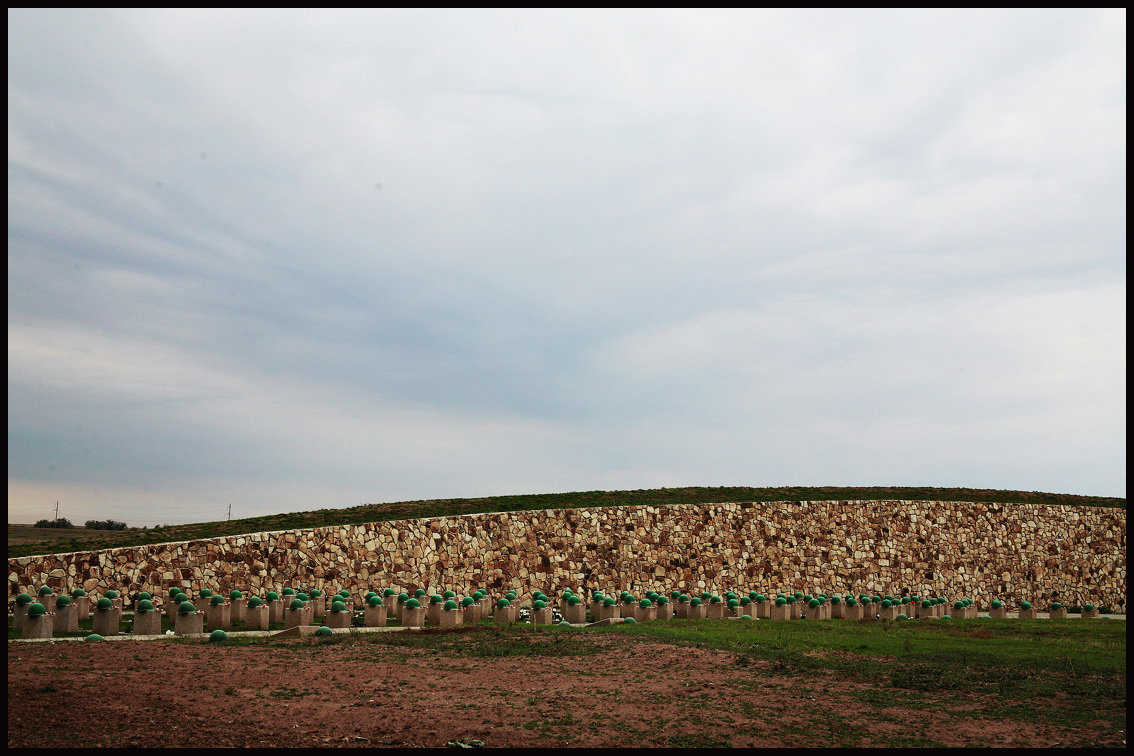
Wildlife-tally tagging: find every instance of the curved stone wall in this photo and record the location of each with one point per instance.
(979, 550)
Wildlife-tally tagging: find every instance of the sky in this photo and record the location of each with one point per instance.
(291, 260)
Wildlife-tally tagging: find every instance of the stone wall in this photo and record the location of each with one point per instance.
(978, 550)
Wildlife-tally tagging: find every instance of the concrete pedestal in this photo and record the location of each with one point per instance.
(105, 622)
(870, 612)
(646, 615)
(202, 603)
(275, 610)
(853, 613)
(1028, 613)
(147, 623)
(608, 612)
(189, 624)
(1089, 614)
(763, 609)
(338, 619)
(374, 616)
(888, 612)
(700, 611)
(19, 614)
(413, 617)
(680, 610)
(541, 616)
(716, 611)
(66, 619)
(295, 617)
(257, 617)
(995, 613)
(472, 613)
(837, 610)
(813, 612)
(82, 606)
(239, 607)
(433, 615)
(1060, 613)
(780, 612)
(576, 614)
(504, 615)
(42, 626)
(796, 610)
(825, 611)
(219, 616)
(453, 617)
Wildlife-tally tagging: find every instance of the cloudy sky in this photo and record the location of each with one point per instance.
(295, 260)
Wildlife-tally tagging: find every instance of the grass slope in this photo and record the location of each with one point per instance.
(405, 510)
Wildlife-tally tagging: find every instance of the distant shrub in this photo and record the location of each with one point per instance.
(62, 522)
(104, 525)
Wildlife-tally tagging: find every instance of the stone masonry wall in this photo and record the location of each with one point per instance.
(979, 550)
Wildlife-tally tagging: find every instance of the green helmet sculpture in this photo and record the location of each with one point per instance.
(186, 607)
(36, 610)
(450, 605)
(338, 607)
(145, 605)
(296, 604)
(24, 599)
(374, 601)
(273, 596)
(413, 604)
(236, 595)
(45, 591)
(104, 603)
(503, 603)
(217, 600)
(78, 592)
(217, 636)
(254, 602)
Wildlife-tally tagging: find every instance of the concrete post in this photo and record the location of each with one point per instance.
(998, 612)
(257, 617)
(275, 610)
(1059, 612)
(1027, 612)
(576, 614)
(374, 616)
(716, 611)
(887, 612)
(451, 617)
(541, 616)
(218, 616)
(39, 625)
(780, 612)
(239, 607)
(607, 612)
(147, 622)
(413, 616)
(853, 613)
(82, 606)
(696, 611)
(192, 623)
(104, 621)
(339, 619)
(1089, 613)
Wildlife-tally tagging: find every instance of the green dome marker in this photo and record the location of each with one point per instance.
(467, 601)
(1025, 605)
(436, 599)
(781, 601)
(289, 591)
(273, 596)
(852, 601)
(510, 595)
(94, 638)
(104, 603)
(419, 593)
(144, 596)
(314, 593)
(902, 617)
(813, 603)
(78, 592)
(449, 594)
(374, 601)
(323, 631)
(1089, 607)
(302, 596)
(745, 600)
(450, 605)
(236, 595)
(573, 600)
(403, 598)
(715, 600)
(836, 600)
(45, 591)
(630, 620)
(36, 610)
(338, 607)
(173, 592)
(694, 601)
(254, 602)
(996, 604)
(539, 604)
(24, 599)
(746, 616)
(297, 603)
(683, 599)
(145, 605)
(733, 603)
(645, 603)
(389, 592)
(186, 607)
(564, 623)
(205, 593)
(503, 603)
(948, 617)
(217, 601)
(1056, 605)
(413, 604)
(218, 635)
(609, 601)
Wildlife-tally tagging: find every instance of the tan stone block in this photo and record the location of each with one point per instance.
(189, 624)
(42, 626)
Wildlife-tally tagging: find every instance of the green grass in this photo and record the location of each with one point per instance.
(444, 507)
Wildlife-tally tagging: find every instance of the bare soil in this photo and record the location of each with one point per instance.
(605, 690)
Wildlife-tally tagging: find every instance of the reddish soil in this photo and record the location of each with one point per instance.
(351, 692)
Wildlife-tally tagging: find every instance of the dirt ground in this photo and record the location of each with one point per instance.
(303, 693)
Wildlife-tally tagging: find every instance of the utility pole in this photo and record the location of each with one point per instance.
(56, 509)
(229, 511)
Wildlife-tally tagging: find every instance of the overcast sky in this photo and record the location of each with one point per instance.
(293, 260)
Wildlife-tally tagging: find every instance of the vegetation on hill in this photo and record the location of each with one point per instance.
(405, 510)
